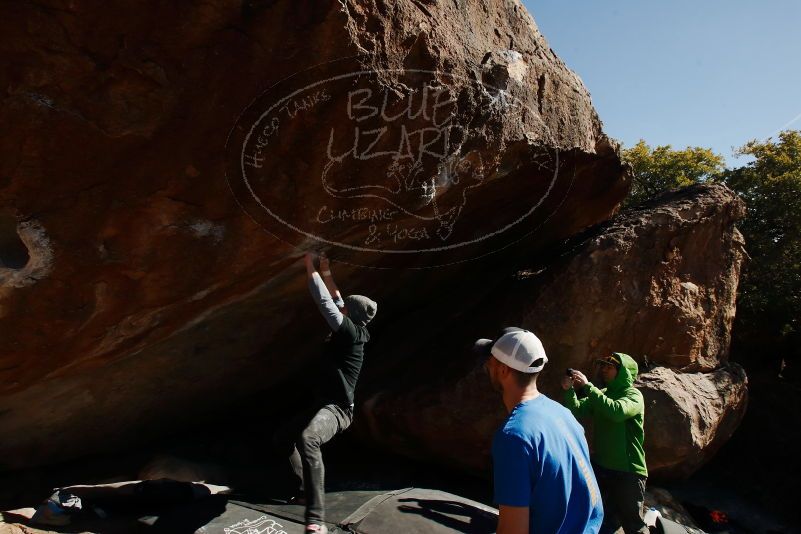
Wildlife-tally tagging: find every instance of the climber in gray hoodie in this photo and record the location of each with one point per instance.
(332, 411)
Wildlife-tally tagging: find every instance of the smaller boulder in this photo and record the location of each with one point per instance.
(688, 416)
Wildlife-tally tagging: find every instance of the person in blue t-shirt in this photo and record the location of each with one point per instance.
(541, 462)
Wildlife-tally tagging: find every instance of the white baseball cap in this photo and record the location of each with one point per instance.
(517, 348)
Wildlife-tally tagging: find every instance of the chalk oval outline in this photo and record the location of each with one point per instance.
(357, 248)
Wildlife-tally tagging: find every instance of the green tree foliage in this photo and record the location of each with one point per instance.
(770, 301)
(661, 169)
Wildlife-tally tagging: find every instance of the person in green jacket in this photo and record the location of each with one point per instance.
(617, 413)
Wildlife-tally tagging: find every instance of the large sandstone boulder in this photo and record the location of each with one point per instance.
(657, 282)
(139, 289)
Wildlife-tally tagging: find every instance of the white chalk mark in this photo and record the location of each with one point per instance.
(260, 525)
(446, 218)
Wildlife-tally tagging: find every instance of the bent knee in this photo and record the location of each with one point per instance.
(309, 441)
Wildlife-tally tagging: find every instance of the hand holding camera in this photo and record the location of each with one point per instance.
(573, 378)
(567, 380)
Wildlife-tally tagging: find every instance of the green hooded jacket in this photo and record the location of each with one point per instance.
(617, 413)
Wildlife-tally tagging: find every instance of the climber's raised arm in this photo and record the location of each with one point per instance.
(328, 278)
(321, 296)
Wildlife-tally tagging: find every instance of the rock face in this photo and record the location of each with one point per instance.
(690, 415)
(658, 283)
(136, 294)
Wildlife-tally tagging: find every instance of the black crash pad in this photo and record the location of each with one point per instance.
(410, 510)
(181, 507)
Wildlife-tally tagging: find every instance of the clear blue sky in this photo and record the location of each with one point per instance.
(712, 73)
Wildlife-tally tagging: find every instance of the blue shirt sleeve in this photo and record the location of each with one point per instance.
(512, 461)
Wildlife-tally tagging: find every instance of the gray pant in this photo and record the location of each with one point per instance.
(623, 495)
(307, 434)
